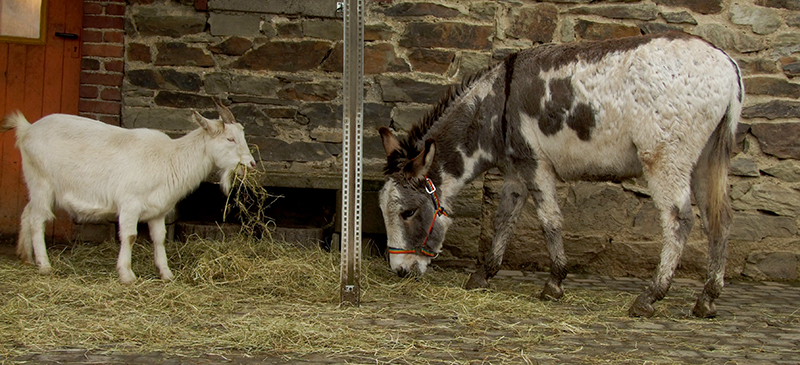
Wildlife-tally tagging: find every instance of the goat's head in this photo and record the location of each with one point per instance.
(225, 144)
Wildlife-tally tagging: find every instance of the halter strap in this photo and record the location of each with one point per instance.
(424, 250)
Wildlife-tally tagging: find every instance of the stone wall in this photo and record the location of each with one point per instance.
(278, 63)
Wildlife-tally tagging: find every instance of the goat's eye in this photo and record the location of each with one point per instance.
(408, 214)
(231, 140)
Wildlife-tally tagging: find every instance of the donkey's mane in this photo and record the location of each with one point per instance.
(410, 145)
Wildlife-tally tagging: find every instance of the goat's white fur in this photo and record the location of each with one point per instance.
(98, 171)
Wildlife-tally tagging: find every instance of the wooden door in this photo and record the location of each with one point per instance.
(37, 80)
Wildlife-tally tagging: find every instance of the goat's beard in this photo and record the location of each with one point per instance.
(226, 180)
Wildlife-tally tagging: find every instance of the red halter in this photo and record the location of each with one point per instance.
(424, 250)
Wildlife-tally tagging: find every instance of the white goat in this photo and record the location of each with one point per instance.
(97, 171)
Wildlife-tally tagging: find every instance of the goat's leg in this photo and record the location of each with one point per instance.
(24, 242)
(670, 192)
(35, 231)
(158, 233)
(544, 196)
(127, 236)
(512, 200)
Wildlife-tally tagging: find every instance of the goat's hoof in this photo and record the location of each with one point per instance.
(167, 276)
(704, 309)
(642, 307)
(477, 281)
(551, 292)
(45, 270)
(127, 278)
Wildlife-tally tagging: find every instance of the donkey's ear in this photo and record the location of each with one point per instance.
(390, 143)
(422, 163)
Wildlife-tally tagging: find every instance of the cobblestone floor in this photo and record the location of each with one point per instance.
(758, 323)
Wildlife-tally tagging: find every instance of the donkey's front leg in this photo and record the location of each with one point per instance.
(512, 200)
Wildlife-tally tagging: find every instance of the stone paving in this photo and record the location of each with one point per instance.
(757, 323)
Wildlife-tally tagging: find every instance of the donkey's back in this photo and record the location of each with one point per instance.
(611, 109)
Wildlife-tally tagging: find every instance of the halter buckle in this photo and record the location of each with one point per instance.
(429, 187)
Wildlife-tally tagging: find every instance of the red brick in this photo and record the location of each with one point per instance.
(92, 8)
(109, 119)
(92, 36)
(111, 94)
(103, 50)
(96, 78)
(114, 66)
(111, 36)
(103, 22)
(89, 92)
(100, 107)
(115, 9)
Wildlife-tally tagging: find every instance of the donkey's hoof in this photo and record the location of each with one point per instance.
(477, 281)
(642, 307)
(704, 309)
(551, 292)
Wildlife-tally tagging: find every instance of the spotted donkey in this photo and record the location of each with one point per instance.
(663, 106)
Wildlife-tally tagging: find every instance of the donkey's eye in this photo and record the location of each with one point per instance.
(408, 213)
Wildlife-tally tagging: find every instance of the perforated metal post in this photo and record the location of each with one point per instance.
(352, 118)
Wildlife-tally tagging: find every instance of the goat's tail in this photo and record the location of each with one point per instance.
(16, 121)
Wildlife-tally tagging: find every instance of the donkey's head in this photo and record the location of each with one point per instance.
(416, 222)
(225, 144)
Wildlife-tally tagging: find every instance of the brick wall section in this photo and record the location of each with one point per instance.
(279, 66)
(102, 65)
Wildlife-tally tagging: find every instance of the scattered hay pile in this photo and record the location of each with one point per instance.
(244, 295)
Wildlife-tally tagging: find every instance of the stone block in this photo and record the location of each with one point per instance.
(180, 54)
(786, 170)
(786, 44)
(634, 11)
(380, 58)
(233, 46)
(183, 100)
(770, 197)
(330, 29)
(184, 81)
(744, 166)
(790, 66)
(679, 17)
(311, 8)
(764, 85)
(780, 4)
(589, 30)
(321, 115)
(378, 32)
(447, 35)
(255, 122)
(751, 66)
(307, 91)
(158, 118)
(431, 60)
(305, 55)
(463, 239)
(697, 6)
(261, 85)
(484, 11)
(404, 89)
(421, 9)
(172, 22)
(779, 139)
(761, 20)
(755, 226)
(537, 23)
(774, 109)
(469, 63)
(139, 52)
(273, 149)
(763, 265)
(406, 116)
(725, 38)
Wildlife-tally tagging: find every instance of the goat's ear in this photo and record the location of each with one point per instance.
(390, 143)
(422, 163)
(224, 112)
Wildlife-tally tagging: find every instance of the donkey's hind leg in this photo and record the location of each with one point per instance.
(670, 189)
(544, 195)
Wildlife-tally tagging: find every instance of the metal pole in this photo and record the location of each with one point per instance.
(352, 118)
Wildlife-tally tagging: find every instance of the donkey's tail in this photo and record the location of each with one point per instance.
(718, 160)
(16, 121)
